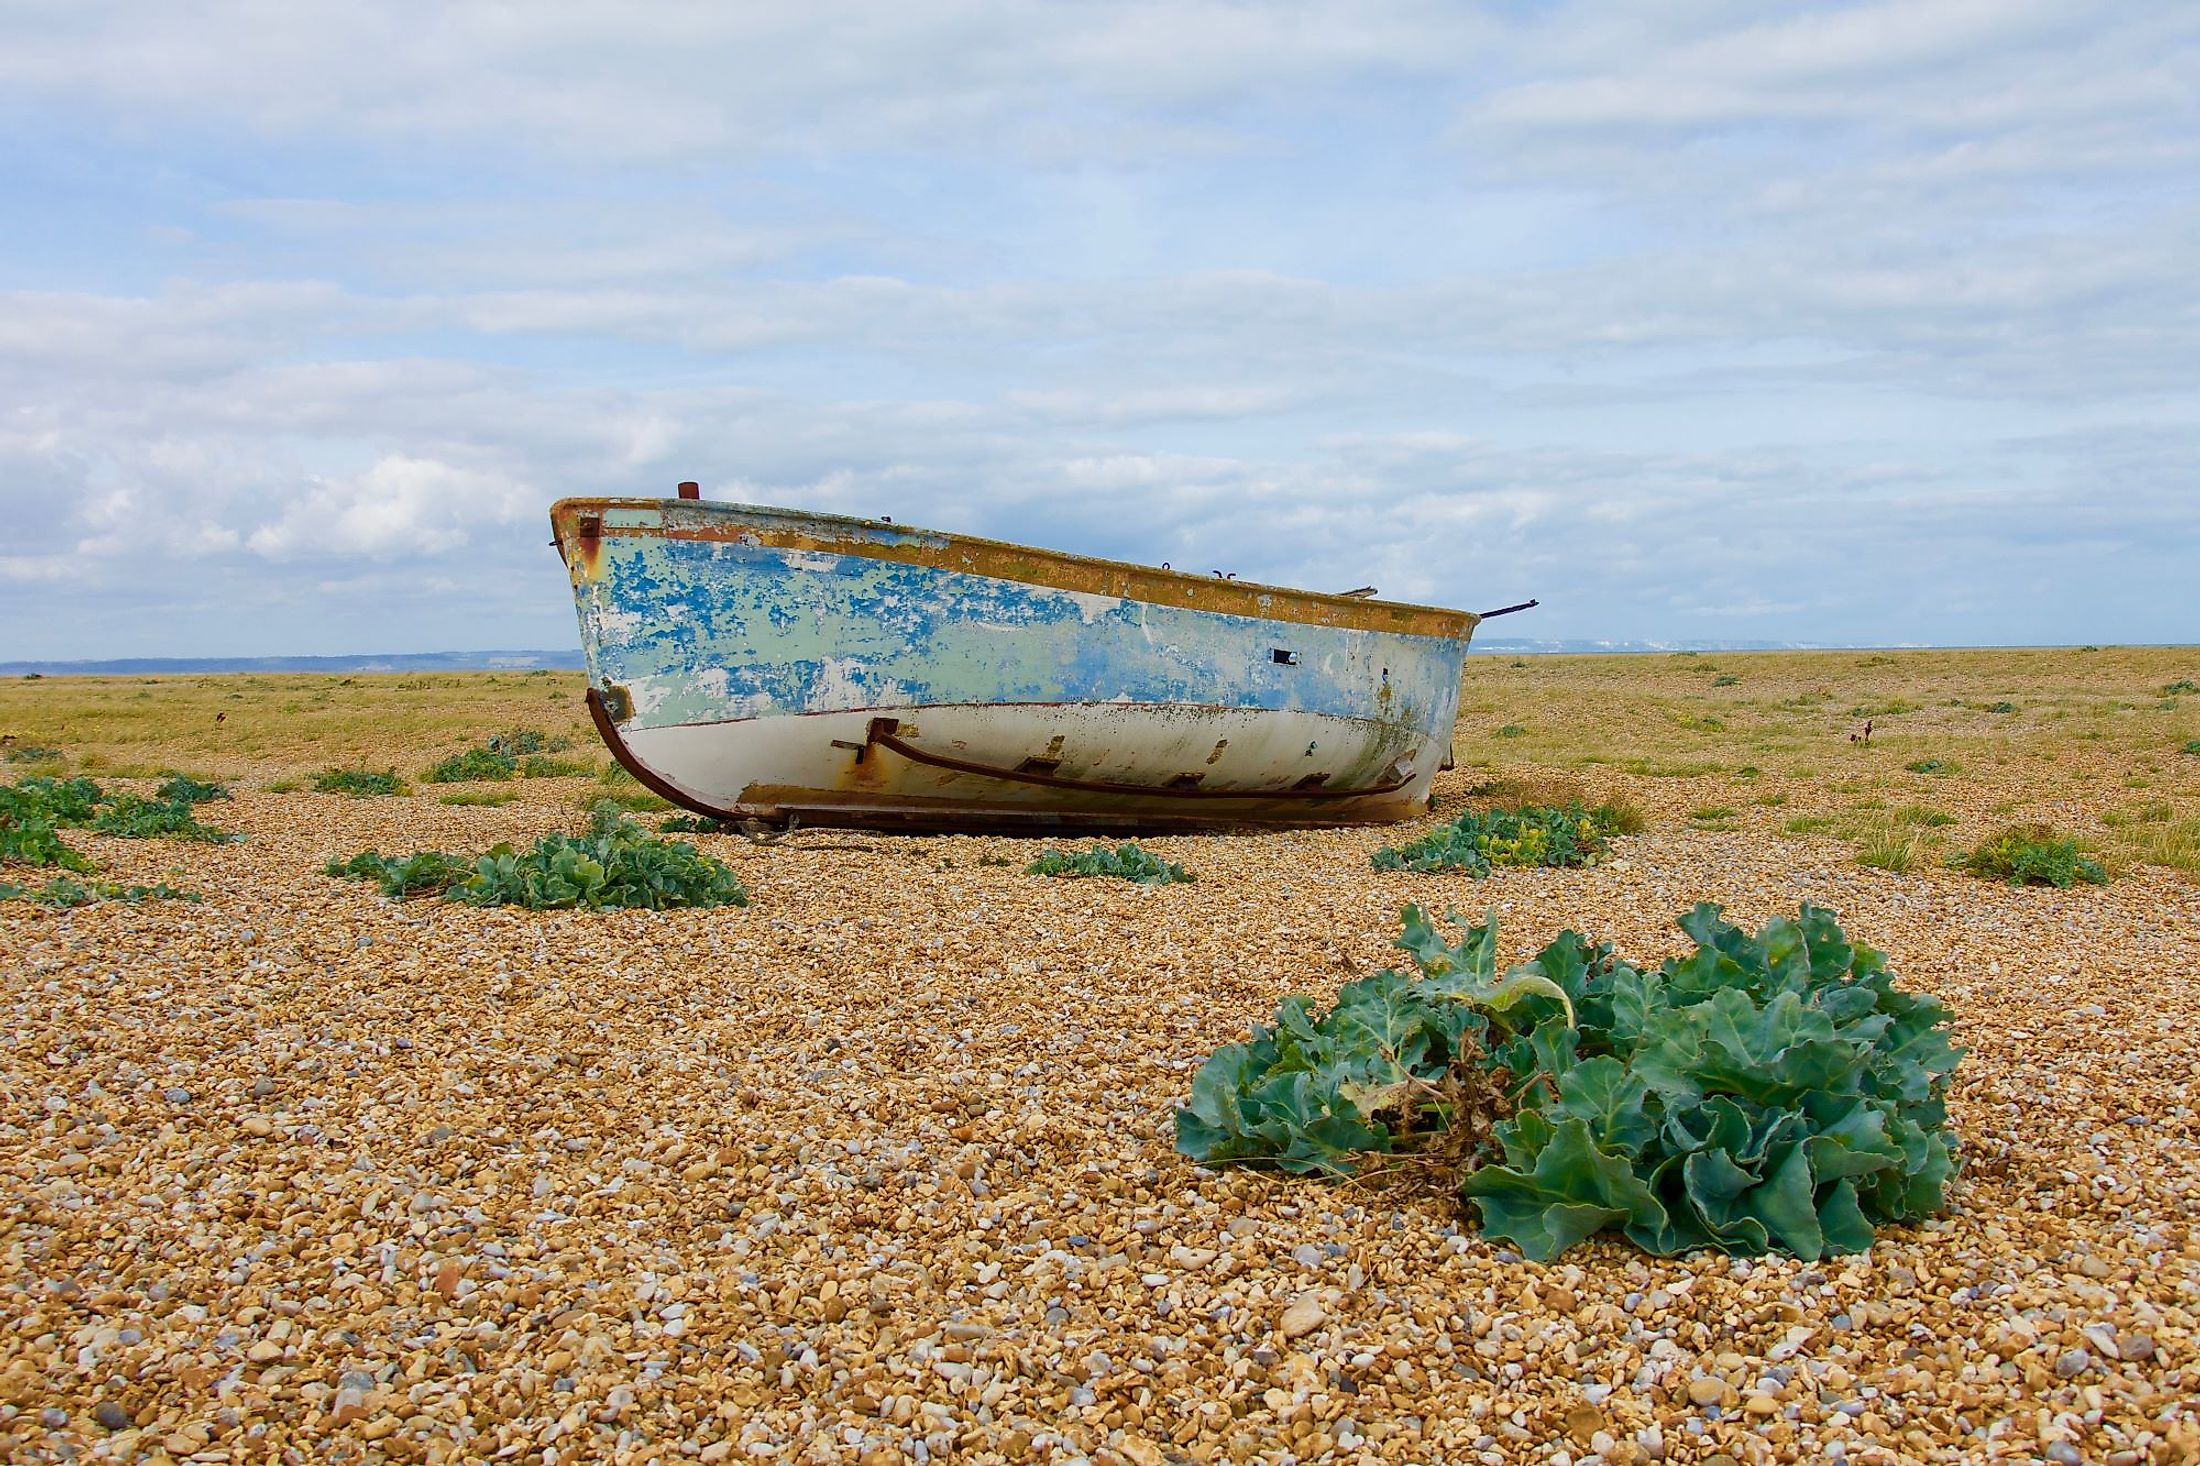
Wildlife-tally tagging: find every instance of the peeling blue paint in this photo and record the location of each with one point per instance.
(708, 630)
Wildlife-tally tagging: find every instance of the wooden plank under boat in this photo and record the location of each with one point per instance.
(780, 665)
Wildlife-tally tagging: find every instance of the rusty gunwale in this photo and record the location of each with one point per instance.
(969, 554)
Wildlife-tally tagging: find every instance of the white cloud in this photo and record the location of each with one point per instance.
(400, 506)
(1836, 321)
(604, 80)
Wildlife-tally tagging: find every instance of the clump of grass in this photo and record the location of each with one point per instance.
(183, 789)
(477, 797)
(1810, 824)
(1918, 814)
(639, 801)
(1712, 812)
(615, 864)
(1651, 769)
(1511, 791)
(1726, 679)
(2001, 707)
(1889, 850)
(1126, 862)
(67, 891)
(1771, 801)
(360, 783)
(543, 766)
(1511, 730)
(616, 775)
(2033, 855)
(1619, 817)
(283, 786)
(2171, 843)
(2181, 685)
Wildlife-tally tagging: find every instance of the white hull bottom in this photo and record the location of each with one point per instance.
(1161, 765)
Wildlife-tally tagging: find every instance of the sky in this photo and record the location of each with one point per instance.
(1865, 324)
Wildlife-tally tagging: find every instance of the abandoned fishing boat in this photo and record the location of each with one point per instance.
(784, 666)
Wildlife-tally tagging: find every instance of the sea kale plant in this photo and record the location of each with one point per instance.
(32, 810)
(1533, 835)
(616, 863)
(183, 789)
(67, 891)
(522, 753)
(359, 783)
(1126, 862)
(1769, 1090)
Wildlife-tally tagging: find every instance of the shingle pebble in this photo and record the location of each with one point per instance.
(300, 1173)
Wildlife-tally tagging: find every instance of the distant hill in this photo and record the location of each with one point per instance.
(507, 661)
(569, 660)
(1514, 646)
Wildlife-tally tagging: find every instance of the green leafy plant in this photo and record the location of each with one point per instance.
(132, 817)
(183, 789)
(421, 873)
(1392, 1058)
(66, 802)
(28, 831)
(2001, 707)
(1769, 1090)
(33, 809)
(1726, 679)
(520, 742)
(615, 864)
(1126, 862)
(359, 783)
(2192, 746)
(1533, 835)
(66, 891)
(1511, 730)
(2034, 855)
(1930, 766)
(2181, 685)
(474, 765)
(33, 753)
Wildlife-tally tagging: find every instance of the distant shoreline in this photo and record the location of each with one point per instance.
(569, 660)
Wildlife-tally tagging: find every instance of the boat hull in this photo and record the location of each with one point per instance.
(757, 663)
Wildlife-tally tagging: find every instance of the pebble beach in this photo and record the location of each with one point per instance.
(879, 1168)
